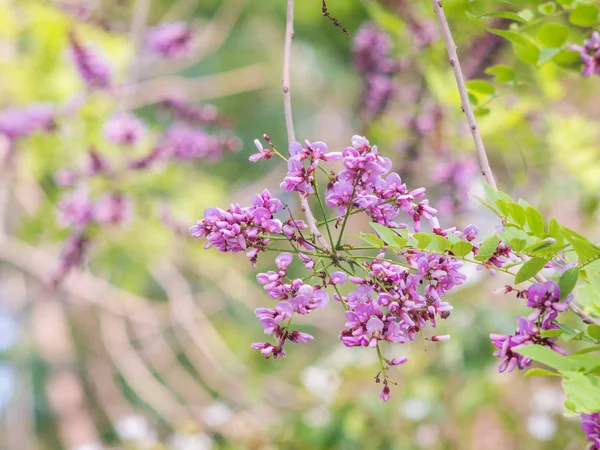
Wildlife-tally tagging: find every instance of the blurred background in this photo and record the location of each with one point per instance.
(146, 343)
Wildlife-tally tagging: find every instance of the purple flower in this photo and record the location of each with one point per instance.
(471, 232)
(94, 163)
(124, 129)
(371, 47)
(545, 298)
(75, 209)
(183, 142)
(194, 114)
(21, 122)
(72, 255)
(386, 393)
(65, 178)
(590, 54)
(262, 153)
(590, 424)
(171, 40)
(399, 361)
(337, 278)
(112, 209)
(283, 260)
(92, 65)
(508, 346)
(240, 229)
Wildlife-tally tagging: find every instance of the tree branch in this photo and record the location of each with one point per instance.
(486, 170)
(484, 164)
(289, 121)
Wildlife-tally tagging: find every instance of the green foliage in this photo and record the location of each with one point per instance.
(530, 269)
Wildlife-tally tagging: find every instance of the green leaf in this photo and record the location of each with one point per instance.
(462, 248)
(546, 356)
(584, 15)
(484, 203)
(535, 221)
(388, 235)
(584, 362)
(503, 15)
(517, 213)
(423, 239)
(567, 281)
(547, 8)
(527, 14)
(551, 333)
(512, 36)
(502, 73)
(555, 230)
(594, 348)
(586, 250)
(530, 269)
(370, 239)
(504, 207)
(453, 238)
(527, 53)
(583, 392)
(552, 35)
(439, 244)
(594, 331)
(541, 372)
(487, 248)
(565, 3)
(589, 297)
(540, 248)
(490, 193)
(480, 87)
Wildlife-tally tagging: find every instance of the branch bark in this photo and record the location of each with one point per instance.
(289, 121)
(486, 170)
(484, 164)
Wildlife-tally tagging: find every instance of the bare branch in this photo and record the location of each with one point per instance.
(486, 170)
(289, 121)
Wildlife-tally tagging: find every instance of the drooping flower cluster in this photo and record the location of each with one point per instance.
(171, 40)
(241, 228)
(590, 54)
(362, 186)
(393, 301)
(124, 129)
(590, 424)
(193, 114)
(371, 50)
(182, 142)
(92, 65)
(300, 178)
(16, 123)
(544, 299)
(295, 297)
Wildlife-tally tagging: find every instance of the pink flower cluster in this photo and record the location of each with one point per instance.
(241, 228)
(371, 50)
(295, 297)
(171, 40)
(544, 299)
(393, 301)
(361, 186)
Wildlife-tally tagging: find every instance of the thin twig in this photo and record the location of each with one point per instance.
(336, 22)
(486, 170)
(484, 164)
(289, 121)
